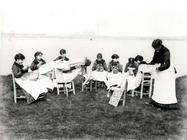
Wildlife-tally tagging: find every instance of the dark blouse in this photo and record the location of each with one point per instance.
(34, 65)
(18, 70)
(133, 65)
(162, 57)
(113, 64)
(62, 58)
(99, 63)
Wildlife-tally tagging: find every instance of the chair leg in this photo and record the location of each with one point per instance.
(73, 87)
(82, 87)
(91, 86)
(58, 90)
(141, 91)
(15, 96)
(132, 94)
(124, 98)
(66, 90)
(96, 84)
(150, 88)
(83, 84)
(108, 93)
(124, 94)
(14, 92)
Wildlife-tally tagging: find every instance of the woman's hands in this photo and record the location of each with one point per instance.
(157, 69)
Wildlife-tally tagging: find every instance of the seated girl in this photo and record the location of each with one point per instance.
(32, 83)
(115, 75)
(99, 71)
(114, 65)
(139, 60)
(62, 56)
(99, 64)
(130, 66)
(38, 61)
(18, 68)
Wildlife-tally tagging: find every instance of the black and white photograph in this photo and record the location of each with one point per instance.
(93, 70)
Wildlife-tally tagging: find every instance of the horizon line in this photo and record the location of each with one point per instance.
(88, 36)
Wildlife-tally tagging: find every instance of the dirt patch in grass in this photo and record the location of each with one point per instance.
(87, 115)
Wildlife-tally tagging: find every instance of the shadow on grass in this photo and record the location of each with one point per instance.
(88, 115)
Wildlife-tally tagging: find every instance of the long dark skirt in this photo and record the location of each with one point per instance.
(164, 106)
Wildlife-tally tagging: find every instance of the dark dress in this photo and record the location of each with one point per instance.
(65, 59)
(100, 63)
(162, 57)
(34, 65)
(132, 65)
(62, 58)
(115, 65)
(18, 70)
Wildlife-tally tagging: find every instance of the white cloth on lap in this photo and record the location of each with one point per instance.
(134, 81)
(120, 79)
(98, 76)
(35, 88)
(33, 75)
(65, 65)
(148, 69)
(65, 77)
(114, 79)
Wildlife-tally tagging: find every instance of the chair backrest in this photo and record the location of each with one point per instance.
(147, 77)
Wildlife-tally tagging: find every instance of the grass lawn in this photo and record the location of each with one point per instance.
(87, 115)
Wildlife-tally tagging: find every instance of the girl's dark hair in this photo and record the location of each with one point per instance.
(139, 58)
(19, 56)
(38, 53)
(62, 51)
(99, 55)
(115, 56)
(87, 62)
(131, 60)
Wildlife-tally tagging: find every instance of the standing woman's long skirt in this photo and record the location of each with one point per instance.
(164, 93)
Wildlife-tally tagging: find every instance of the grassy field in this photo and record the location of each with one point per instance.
(87, 115)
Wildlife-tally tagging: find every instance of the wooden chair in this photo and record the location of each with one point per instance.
(99, 84)
(16, 96)
(93, 85)
(146, 81)
(87, 85)
(62, 86)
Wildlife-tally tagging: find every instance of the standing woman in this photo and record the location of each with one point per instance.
(164, 95)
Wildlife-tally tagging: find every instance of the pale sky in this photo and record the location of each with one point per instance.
(98, 17)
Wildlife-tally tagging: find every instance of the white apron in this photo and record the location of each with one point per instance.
(164, 86)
